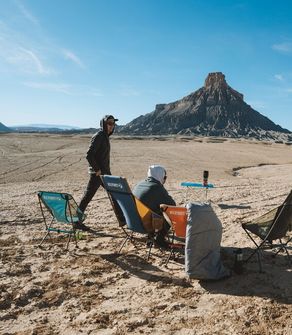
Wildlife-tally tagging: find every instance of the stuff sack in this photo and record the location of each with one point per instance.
(203, 238)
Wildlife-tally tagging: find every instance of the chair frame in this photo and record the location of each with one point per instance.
(266, 242)
(173, 246)
(72, 232)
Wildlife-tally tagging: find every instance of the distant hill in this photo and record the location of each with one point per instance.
(58, 126)
(4, 129)
(55, 129)
(215, 109)
(43, 128)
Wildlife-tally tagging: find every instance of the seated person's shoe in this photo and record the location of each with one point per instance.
(161, 242)
(80, 226)
(149, 243)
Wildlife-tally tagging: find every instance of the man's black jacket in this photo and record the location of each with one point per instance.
(98, 154)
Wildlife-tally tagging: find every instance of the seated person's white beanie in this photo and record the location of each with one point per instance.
(157, 172)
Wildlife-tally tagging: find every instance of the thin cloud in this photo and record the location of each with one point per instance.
(72, 57)
(283, 47)
(94, 92)
(65, 88)
(127, 91)
(279, 77)
(53, 87)
(35, 61)
(26, 13)
(21, 53)
(26, 60)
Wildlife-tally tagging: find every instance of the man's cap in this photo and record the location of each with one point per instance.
(109, 117)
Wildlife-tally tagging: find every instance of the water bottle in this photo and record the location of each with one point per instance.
(238, 262)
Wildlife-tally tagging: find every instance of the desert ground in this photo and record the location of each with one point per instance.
(94, 290)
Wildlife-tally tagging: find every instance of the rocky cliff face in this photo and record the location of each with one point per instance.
(216, 109)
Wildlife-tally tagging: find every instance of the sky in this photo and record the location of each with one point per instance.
(71, 62)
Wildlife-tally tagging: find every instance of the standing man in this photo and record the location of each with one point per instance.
(98, 157)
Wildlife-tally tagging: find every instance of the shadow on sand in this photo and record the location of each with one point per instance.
(140, 268)
(273, 283)
(225, 206)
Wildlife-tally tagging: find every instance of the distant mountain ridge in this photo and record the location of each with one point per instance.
(49, 128)
(216, 109)
(4, 129)
(43, 127)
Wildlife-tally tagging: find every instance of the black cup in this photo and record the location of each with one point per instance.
(238, 262)
(205, 178)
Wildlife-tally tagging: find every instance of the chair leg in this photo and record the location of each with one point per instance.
(256, 251)
(169, 256)
(69, 238)
(75, 238)
(171, 250)
(149, 251)
(124, 242)
(48, 231)
(46, 235)
(283, 247)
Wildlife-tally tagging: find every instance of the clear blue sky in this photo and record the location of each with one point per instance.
(72, 61)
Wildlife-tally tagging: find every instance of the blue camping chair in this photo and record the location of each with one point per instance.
(130, 212)
(62, 209)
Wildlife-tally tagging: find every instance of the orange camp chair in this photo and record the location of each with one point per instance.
(177, 219)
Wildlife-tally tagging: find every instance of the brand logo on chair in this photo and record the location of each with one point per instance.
(115, 185)
(51, 197)
(177, 213)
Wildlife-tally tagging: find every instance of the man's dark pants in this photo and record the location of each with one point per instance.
(92, 186)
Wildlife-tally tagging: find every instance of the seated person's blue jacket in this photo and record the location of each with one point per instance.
(152, 193)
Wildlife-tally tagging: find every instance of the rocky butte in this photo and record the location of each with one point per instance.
(216, 109)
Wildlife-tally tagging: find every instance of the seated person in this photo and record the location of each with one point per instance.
(152, 193)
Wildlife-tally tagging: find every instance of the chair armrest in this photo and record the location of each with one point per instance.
(163, 207)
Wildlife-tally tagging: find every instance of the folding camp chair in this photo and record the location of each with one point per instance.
(271, 226)
(62, 209)
(138, 217)
(177, 219)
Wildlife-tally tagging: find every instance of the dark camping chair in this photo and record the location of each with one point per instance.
(130, 212)
(271, 226)
(177, 219)
(63, 210)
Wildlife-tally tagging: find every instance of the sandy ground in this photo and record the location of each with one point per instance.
(92, 289)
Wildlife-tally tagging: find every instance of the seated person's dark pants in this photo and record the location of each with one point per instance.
(160, 238)
(164, 231)
(92, 186)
